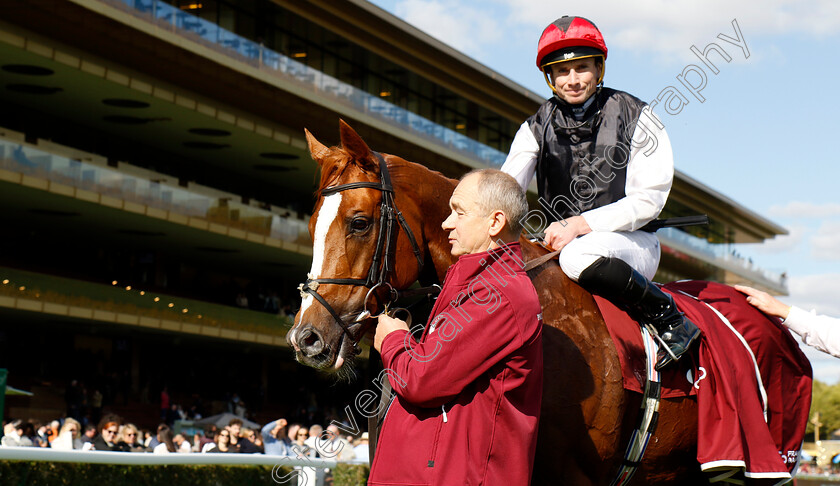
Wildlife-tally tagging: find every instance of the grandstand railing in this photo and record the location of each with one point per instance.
(239, 48)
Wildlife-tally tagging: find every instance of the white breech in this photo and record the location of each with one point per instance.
(639, 249)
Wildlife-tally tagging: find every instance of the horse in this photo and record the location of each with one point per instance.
(587, 416)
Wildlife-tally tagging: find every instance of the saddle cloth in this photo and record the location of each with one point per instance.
(751, 381)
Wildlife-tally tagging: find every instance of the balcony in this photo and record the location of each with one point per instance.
(195, 29)
(116, 305)
(142, 187)
(723, 256)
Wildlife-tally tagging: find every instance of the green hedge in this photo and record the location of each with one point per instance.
(20, 473)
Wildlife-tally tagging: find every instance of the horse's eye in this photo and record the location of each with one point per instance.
(359, 224)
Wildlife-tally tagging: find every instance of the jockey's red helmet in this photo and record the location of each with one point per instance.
(569, 38)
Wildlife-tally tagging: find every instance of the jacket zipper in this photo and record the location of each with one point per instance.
(444, 419)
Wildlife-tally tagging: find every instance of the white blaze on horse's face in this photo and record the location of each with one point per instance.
(326, 217)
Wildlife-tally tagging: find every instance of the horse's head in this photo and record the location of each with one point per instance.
(361, 251)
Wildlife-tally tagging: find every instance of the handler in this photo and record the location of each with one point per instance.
(604, 169)
(468, 393)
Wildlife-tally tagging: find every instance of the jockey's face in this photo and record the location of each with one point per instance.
(468, 225)
(575, 80)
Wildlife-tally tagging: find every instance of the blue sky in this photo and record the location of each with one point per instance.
(765, 135)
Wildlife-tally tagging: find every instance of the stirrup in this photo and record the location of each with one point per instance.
(671, 357)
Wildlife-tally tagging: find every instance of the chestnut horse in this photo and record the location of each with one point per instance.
(587, 415)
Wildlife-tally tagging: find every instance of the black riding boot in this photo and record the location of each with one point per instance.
(615, 280)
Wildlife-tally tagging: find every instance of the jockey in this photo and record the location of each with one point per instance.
(599, 180)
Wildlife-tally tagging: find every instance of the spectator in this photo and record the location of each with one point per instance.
(42, 435)
(52, 430)
(147, 438)
(89, 434)
(68, 438)
(242, 300)
(362, 449)
(107, 439)
(313, 440)
(231, 406)
(29, 432)
(164, 403)
(13, 435)
(154, 441)
(209, 438)
(223, 444)
(96, 405)
(299, 445)
(182, 444)
(275, 438)
(235, 427)
(196, 443)
(173, 414)
(165, 442)
(332, 446)
(239, 410)
(127, 439)
(74, 396)
(246, 442)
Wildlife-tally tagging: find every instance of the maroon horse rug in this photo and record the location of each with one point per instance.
(751, 380)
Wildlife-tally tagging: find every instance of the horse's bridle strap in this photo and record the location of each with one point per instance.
(390, 221)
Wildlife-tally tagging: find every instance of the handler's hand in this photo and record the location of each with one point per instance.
(386, 326)
(764, 302)
(561, 233)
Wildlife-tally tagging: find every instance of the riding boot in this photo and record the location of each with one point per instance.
(614, 279)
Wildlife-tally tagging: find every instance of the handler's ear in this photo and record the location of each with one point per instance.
(498, 224)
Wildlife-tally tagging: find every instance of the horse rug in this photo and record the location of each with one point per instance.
(751, 381)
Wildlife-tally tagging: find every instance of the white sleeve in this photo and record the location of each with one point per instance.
(649, 178)
(821, 332)
(521, 162)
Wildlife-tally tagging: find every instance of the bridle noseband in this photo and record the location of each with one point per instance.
(382, 265)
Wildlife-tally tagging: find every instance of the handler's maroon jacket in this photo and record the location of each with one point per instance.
(469, 393)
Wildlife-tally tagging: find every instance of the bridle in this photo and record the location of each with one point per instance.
(382, 265)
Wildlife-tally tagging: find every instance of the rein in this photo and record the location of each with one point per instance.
(383, 264)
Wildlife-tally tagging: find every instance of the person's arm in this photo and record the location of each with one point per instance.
(521, 162)
(649, 180)
(433, 372)
(266, 431)
(821, 332)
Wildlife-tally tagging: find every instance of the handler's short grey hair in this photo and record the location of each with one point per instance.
(500, 191)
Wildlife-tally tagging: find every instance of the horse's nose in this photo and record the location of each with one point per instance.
(309, 341)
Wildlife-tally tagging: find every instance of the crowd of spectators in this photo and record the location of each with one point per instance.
(278, 438)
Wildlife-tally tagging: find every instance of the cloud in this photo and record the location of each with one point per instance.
(804, 210)
(649, 26)
(826, 244)
(463, 25)
(818, 292)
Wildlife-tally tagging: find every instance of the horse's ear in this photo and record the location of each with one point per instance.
(316, 148)
(353, 144)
